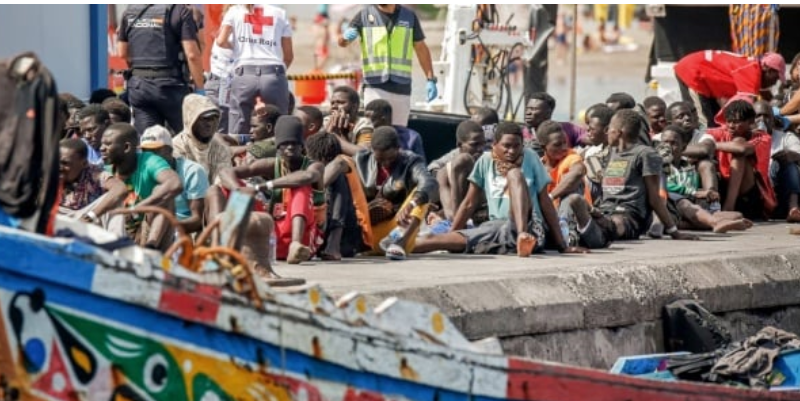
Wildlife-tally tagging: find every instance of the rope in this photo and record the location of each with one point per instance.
(322, 77)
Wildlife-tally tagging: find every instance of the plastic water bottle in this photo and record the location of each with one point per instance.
(273, 248)
(714, 207)
(562, 222)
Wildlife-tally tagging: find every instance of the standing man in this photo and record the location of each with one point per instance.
(709, 78)
(388, 32)
(158, 41)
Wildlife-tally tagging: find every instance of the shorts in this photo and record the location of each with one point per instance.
(499, 237)
(750, 205)
(602, 231)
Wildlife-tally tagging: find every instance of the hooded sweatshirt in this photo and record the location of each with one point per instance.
(213, 156)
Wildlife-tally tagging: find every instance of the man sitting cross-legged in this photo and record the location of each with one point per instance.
(514, 182)
(683, 190)
(630, 191)
(700, 147)
(294, 192)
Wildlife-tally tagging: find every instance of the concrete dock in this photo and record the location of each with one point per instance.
(589, 309)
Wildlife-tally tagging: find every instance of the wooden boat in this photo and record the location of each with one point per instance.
(78, 322)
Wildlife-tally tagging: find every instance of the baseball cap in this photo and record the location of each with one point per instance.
(155, 137)
(776, 62)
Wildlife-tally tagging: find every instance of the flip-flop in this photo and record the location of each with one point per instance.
(395, 252)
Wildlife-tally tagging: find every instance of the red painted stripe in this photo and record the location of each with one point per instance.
(190, 300)
(531, 381)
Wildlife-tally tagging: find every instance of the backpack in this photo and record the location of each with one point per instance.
(29, 136)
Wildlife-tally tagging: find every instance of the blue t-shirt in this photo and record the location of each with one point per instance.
(195, 185)
(485, 176)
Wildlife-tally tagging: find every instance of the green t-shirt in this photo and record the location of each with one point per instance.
(141, 183)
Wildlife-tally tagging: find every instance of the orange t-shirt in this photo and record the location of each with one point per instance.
(557, 173)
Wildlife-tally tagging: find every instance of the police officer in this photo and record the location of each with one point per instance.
(388, 33)
(160, 41)
(262, 48)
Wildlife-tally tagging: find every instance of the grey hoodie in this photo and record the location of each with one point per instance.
(213, 156)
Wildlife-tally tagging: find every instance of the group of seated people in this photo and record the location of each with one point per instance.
(336, 186)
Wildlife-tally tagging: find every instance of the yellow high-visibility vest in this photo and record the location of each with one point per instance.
(387, 56)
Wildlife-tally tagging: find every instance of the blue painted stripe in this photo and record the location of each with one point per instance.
(98, 45)
(47, 260)
(237, 346)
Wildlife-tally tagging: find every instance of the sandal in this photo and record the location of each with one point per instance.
(395, 252)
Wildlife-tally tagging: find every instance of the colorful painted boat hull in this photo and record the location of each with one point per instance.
(77, 322)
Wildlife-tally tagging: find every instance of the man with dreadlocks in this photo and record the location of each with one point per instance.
(744, 155)
(514, 182)
(347, 231)
(296, 197)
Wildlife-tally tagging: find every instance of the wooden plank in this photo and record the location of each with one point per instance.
(234, 220)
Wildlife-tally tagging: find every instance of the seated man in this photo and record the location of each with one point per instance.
(197, 142)
(190, 203)
(453, 179)
(683, 191)
(623, 101)
(596, 155)
(700, 147)
(784, 171)
(538, 109)
(487, 119)
(149, 180)
(656, 110)
(312, 119)
(379, 112)
(118, 111)
(348, 214)
(262, 137)
(514, 182)
(88, 191)
(743, 156)
(565, 167)
(93, 121)
(631, 185)
(357, 131)
(295, 197)
(398, 188)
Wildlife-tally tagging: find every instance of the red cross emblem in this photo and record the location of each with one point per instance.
(258, 21)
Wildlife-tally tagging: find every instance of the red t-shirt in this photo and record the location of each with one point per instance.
(761, 141)
(720, 74)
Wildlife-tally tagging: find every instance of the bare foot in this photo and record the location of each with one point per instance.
(273, 279)
(794, 216)
(748, 223)
(525, 244)
(729, 225)
(330, 256)
(728, 216)
(298, 253)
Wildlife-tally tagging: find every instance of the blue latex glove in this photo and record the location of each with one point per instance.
(200, 91)
(783, 122)
(350, 34)
(432, 91)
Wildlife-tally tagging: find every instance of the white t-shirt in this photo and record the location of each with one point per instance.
(257, 35)
(221, 62)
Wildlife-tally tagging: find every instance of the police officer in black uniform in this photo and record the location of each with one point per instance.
(160, 43)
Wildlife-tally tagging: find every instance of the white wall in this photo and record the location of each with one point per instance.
(58, 34)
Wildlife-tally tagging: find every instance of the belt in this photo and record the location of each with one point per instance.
(260, 70)
(156, 73)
